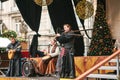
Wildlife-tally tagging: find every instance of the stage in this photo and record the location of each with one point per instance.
(29, 78)
(35, 78)
(82, 64)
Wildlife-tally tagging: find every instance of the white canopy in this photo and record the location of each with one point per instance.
(4, 42)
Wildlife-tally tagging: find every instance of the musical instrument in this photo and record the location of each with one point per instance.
(46, 57)
(11, 52)
(28, 68)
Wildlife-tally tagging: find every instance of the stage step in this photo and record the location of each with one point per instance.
(113, 60)
(66, 79)
(105, 76)
(108, 68)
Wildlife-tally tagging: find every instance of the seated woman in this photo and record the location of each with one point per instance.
(48, 62)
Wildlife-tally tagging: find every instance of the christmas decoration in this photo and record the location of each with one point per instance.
(9, 33)
(84, 9)
(101, 43)
(43, 2)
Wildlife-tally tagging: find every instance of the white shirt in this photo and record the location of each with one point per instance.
(56, 53)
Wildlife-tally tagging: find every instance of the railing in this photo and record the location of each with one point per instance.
(83, 76)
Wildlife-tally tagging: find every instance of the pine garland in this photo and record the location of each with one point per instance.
(9, 33)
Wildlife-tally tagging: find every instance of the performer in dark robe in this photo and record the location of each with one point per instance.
(65, 63)
(15, 63)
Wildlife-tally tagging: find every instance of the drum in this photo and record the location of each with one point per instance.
(28, 69)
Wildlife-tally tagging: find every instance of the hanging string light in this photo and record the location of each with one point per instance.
(84, 9)
(43, 2)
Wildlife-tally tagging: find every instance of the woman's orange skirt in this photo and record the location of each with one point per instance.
(48, 66)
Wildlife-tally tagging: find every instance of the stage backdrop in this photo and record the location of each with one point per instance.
(61, 12)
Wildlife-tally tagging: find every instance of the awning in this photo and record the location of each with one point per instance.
(4, 42)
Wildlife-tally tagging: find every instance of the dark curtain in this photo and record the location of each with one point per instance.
(81, 20)
(34, 45)
(61, 12)
(31, 13)
(80, 39)
(3, 0)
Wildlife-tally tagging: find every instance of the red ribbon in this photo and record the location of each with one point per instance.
(62, 52)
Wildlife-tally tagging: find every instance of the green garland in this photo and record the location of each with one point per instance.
(9, 33)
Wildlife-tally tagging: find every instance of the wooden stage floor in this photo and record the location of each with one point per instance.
(33, 78)
(29, 78)
(82, 64)
(36, 78)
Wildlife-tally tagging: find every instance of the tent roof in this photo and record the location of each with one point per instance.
(4, 42)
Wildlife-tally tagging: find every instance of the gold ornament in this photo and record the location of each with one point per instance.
(84, 9)
(43, 2)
